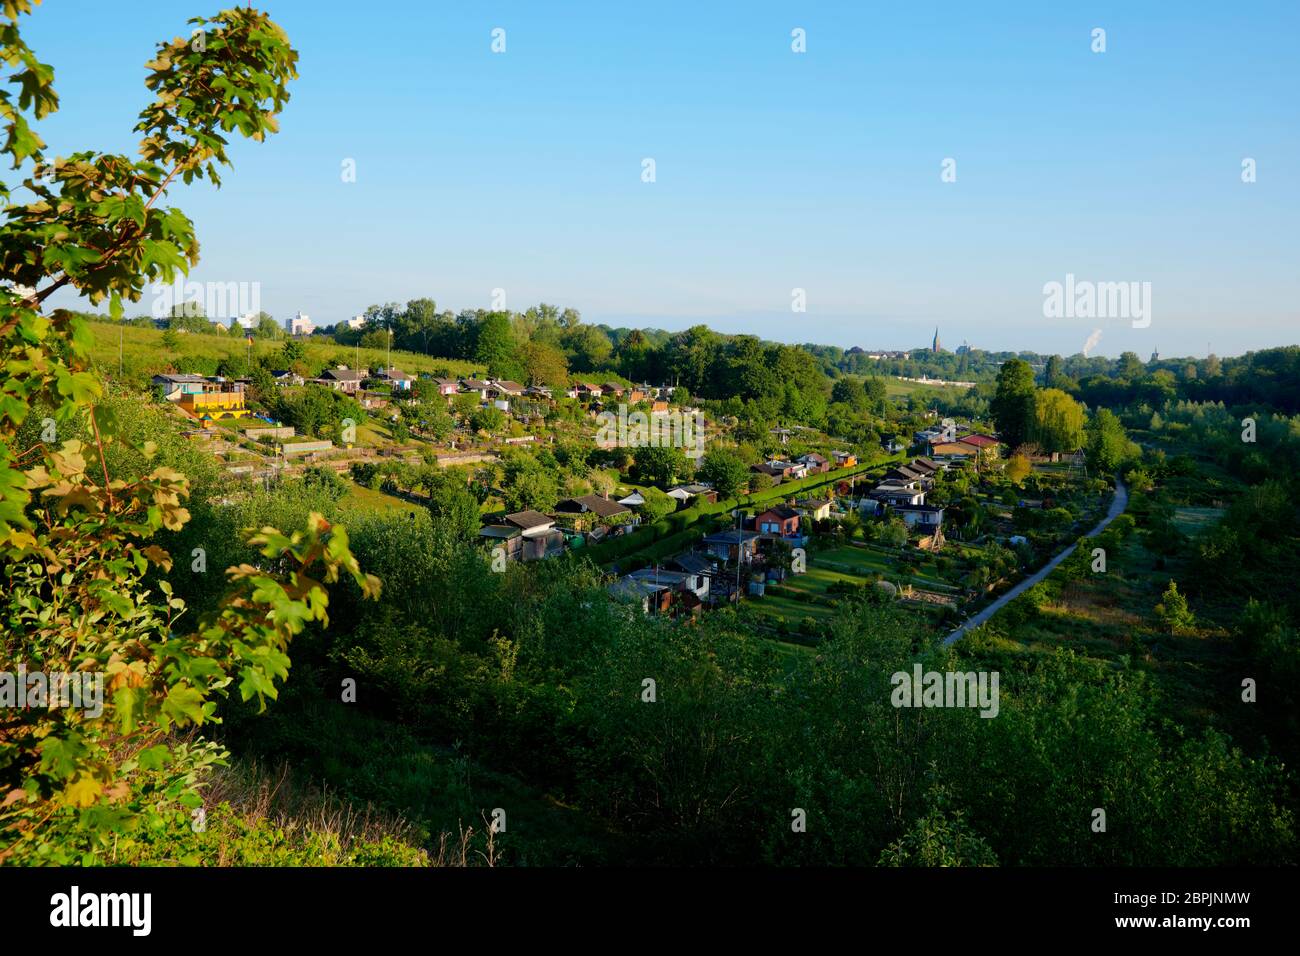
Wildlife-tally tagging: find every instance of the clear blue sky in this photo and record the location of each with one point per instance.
(775, 170)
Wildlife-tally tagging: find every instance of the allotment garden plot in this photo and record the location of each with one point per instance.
(929, 584)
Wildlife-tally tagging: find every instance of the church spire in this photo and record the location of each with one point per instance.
(935, 346)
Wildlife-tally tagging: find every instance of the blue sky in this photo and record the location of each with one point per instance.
(774, 170)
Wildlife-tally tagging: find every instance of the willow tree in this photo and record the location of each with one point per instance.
(1058, 421)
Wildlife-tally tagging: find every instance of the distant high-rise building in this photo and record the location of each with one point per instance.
(357, 322)
(300, 324)
(935, 347)
(1155, 356)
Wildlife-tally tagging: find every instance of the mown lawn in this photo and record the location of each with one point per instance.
(817, 579)
(373, 434)
(363, 498)
(788, 609)
(867, 559)
(875, 562)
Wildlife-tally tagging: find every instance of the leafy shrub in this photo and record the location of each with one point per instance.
(80, 783)
(1173, 613)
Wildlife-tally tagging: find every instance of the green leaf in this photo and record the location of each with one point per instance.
(184, 705)
(163, 255)
(154, 758)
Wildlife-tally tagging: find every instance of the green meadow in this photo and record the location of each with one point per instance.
(143, 353)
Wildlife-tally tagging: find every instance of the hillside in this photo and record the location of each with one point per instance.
(144, 353)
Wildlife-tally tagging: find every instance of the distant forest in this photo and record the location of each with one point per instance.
(547, 344)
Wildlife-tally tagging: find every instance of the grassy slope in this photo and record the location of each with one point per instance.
(896, 388)
(144, 355)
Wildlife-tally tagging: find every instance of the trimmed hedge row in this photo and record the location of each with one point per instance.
(659, 550)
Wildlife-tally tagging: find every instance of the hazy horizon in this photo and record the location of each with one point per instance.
(775, 170)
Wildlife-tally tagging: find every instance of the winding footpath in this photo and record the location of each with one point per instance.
(1117, 506)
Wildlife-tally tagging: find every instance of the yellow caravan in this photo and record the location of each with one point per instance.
(215, 405)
